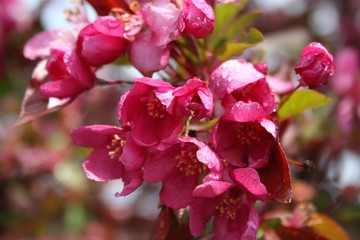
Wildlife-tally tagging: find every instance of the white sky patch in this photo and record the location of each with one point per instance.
(53, 15)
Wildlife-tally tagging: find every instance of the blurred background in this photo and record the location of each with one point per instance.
(44, 193)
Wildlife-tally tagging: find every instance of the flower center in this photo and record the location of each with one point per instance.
(229, 205)
(155, 108)
(187, 162)
(115, 147)
(247, 135)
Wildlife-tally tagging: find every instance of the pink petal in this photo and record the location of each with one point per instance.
(146, 56)
(177, 190)
(232, 75)
(249, 179)
(132, 181)
(211, 189)
(95, 135)
(100, 167)
(61, 89)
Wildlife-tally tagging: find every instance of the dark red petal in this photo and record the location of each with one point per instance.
(276, 176)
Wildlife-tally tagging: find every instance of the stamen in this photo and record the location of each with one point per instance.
(155, 108)
(229, 205)
(116, 146)
(188, 163)
(247, 135)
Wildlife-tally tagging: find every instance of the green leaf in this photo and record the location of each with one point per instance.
(253, 36)
(300, 101)
(248, 39)
(232, 49)
(225, 15)
(241, 24)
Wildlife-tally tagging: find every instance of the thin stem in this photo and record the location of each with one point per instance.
(100, 81)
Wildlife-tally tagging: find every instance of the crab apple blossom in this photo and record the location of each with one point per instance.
(229, 204)
(179, 167)
(197, 18)
(192, 99)
(69, 75)
(102, 41)
(233, 75)
(113, 148)
(143, 110)
(146, 56)
(315, 66)
(251, 102)
(244, 144)
(162, 17)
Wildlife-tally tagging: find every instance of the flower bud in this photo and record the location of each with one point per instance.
(315, 65)
(102, 41)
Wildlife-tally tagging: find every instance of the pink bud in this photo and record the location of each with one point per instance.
(102, 41)
(315, 65)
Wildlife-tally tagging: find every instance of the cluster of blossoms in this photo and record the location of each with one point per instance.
(216, 168)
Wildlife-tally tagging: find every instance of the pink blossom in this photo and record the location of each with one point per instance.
(231, 205)
(315, 65)
(179, 168)
(40, 45)
(102, 41)
(232, 75)
(197, 18)
(148, 57)
(162, 17)
(253, 101)
(143, 110)
(113, 149)
(68, 74)
(193, 98)
(244, 144)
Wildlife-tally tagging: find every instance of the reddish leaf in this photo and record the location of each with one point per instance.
(291, 233)
(276, 176)
(103, 7)
(167, 227)
(34, 104)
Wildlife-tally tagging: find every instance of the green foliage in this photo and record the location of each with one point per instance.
(300, 101)
(229, 50)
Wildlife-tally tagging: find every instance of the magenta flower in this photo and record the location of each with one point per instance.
(229, 204)
(69, 75)
(315, 65)
(143, 110)
(102, 41)
(113, 149)
(179, 168)
(193, 98)
(244, 144)
(197, 18)
(233, 75)
(251, 102)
